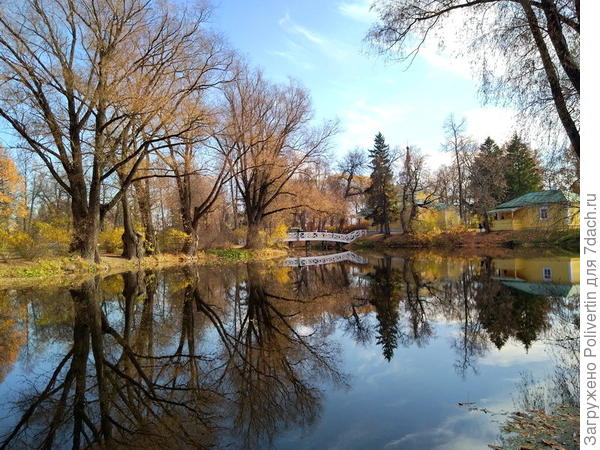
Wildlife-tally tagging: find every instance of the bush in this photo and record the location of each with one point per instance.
(172, 240)
(54, 238)
(23, 245)
(110, 241)
(278, 234)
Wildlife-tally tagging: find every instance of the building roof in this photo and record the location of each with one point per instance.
(540, 198)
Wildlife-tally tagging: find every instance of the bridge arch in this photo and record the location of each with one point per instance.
(304, 236)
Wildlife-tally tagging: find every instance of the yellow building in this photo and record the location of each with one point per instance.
(436, 217)
(553, 209)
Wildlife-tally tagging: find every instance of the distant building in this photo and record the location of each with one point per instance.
(436, 217)
(552, 209)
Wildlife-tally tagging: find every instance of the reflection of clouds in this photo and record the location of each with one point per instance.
(304, 330)
(451, 434)
(512, 353)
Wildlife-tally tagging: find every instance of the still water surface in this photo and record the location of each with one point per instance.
(354, 352)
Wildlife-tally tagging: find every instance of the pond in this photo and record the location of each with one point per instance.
(403, 351)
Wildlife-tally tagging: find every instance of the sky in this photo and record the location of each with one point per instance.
(321, 44)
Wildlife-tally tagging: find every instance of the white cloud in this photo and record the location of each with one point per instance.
(363, 120)
(495, 122)
(465, 430)
(359, 10)
(292, 27)
(512, 353)
(332, 48)
(293, 57)
(443, 60)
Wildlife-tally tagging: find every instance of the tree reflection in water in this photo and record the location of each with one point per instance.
(122, 384)
(237, 355)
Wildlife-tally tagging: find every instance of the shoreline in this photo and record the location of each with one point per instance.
(492, 243)
(70, 270)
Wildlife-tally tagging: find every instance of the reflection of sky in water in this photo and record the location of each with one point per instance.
(411, 402)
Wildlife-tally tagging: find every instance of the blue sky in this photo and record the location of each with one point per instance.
(320, 43)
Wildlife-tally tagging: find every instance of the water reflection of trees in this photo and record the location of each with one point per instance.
(408, 296)
(549, 406)
(165, 360)
(236, 355)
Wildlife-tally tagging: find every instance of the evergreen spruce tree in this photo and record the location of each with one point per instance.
(523, 173)
(487, 179)
(381, 198)
(490, 148)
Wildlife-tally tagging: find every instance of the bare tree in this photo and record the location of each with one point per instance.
(416, 190)
(268, 140)
(353, 163)
(460, 145)
(72, 74)
(526, 51)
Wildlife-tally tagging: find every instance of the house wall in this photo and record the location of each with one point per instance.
(560, 216)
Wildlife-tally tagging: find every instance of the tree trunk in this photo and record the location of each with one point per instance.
(86, 224)
(254, 239)
(190, 247)
(461, 213)
(142, 190)
(553, 78)
(132, 246)
(568, 63)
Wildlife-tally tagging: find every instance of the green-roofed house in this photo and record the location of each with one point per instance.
(552, 209)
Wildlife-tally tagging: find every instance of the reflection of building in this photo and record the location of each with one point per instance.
(540, 276)
(537, 210)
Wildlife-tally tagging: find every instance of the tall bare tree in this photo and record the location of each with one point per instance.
(460, 145)
(268, 141)
(416, 189)
(525, 51)
(71, 77)
(352, 164)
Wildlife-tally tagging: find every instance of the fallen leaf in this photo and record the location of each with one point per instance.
(548, 443)
(495, 447)
(465, 403)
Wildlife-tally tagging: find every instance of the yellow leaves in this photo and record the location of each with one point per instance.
(12, 191)
(172, 240)
(110, 240)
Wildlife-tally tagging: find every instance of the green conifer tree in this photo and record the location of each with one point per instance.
(381, 199)
(487, 179)
(523, 173)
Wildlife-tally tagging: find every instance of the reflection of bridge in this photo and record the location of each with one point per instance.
(324, 259)
(298, 236)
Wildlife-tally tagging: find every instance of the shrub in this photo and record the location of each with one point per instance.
(278, 234)
(172, 240)
(23, 245)
(110, 241)
(53, 238)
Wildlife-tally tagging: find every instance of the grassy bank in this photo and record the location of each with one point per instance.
(567, 241)
(20, 273)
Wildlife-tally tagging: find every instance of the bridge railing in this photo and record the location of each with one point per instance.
(324, 236)
(303, 261)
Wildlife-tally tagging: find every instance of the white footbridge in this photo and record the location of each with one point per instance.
(323, 236)
(324, 259)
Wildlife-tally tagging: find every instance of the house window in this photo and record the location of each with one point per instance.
(547, 274)
(544, 213)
